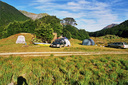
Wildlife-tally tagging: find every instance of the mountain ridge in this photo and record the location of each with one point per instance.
(33, 15)
(110, 26)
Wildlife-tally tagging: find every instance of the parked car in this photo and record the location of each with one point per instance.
(62, 42)
(58, 43)
(118, 45)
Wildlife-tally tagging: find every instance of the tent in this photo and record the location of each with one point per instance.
(88, 42)
(67, 42)
(20, 39)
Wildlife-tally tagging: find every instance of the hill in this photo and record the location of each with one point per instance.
(120, 30)
(9, 14)
(33, 15)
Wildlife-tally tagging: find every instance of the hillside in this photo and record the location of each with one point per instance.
(119, 30)
(8, 14)
(33, 15)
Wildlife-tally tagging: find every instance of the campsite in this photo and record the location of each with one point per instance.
(55, 48)
(9, 45)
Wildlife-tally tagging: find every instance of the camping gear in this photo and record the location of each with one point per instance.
(20, 39)
(88, 42)
(62, 42)
(42, 44)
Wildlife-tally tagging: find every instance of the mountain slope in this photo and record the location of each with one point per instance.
(119, 30)
(110, 26)
(8, 14)
(32, 15)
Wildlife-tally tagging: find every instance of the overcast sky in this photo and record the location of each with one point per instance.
(91, 15)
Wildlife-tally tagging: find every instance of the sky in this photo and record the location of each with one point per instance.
(91, 15)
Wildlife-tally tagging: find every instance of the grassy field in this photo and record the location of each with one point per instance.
(68, 70)
(111, 69)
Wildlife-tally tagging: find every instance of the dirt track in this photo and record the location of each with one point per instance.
(25, 54)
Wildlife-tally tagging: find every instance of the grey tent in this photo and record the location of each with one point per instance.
(88, 42)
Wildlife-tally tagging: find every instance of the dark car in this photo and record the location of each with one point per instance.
(59, 43)
(118, 45)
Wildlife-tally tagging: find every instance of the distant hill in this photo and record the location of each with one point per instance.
(110, 26)
(119, 30)
(9, 14)
(33, 15)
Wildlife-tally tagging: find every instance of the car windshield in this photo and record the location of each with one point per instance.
(125, 43)
(58, 41)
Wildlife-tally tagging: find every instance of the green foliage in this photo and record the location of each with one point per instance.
(67, 34)
(8, 14)
(75, 33)
(54, 22)
(119, 30)
(64, 70)
(44, 32)
(69, 21)
(17, 27)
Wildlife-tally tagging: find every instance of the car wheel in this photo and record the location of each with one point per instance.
(119, 47)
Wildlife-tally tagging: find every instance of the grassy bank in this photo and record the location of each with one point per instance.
(69, 70)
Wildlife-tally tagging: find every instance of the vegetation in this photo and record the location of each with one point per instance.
(119, 30)
(104, 40)
(47, 22)
(75, 33)
(44, 32)
(70, 70)
(68, 21)
(8, 14)
(54, 22)
(19, 27)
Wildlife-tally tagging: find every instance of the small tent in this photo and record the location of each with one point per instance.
(20, 39)
(88, 42)
(67, 42)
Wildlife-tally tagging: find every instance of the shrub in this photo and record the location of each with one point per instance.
(51, 55)
(113, 76)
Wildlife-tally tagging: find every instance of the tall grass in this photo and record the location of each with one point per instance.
(69, 70)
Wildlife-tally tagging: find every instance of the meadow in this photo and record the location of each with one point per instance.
(105, 69)
(68, 70)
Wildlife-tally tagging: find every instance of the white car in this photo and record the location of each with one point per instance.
(118, 45)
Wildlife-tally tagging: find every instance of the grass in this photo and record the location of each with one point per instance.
(70, 70)
(110, 69)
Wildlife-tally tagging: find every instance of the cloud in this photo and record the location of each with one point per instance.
(90, 15)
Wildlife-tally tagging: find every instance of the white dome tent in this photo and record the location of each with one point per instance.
(67, 42)
(20, 39)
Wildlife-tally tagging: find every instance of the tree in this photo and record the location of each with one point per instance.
(67, 34)
(68, 21)
(83, 34)
(44, 32)
(75, 33)
(54, 22)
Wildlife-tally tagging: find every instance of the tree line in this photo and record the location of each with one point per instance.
(120, 30)
(44, 27)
